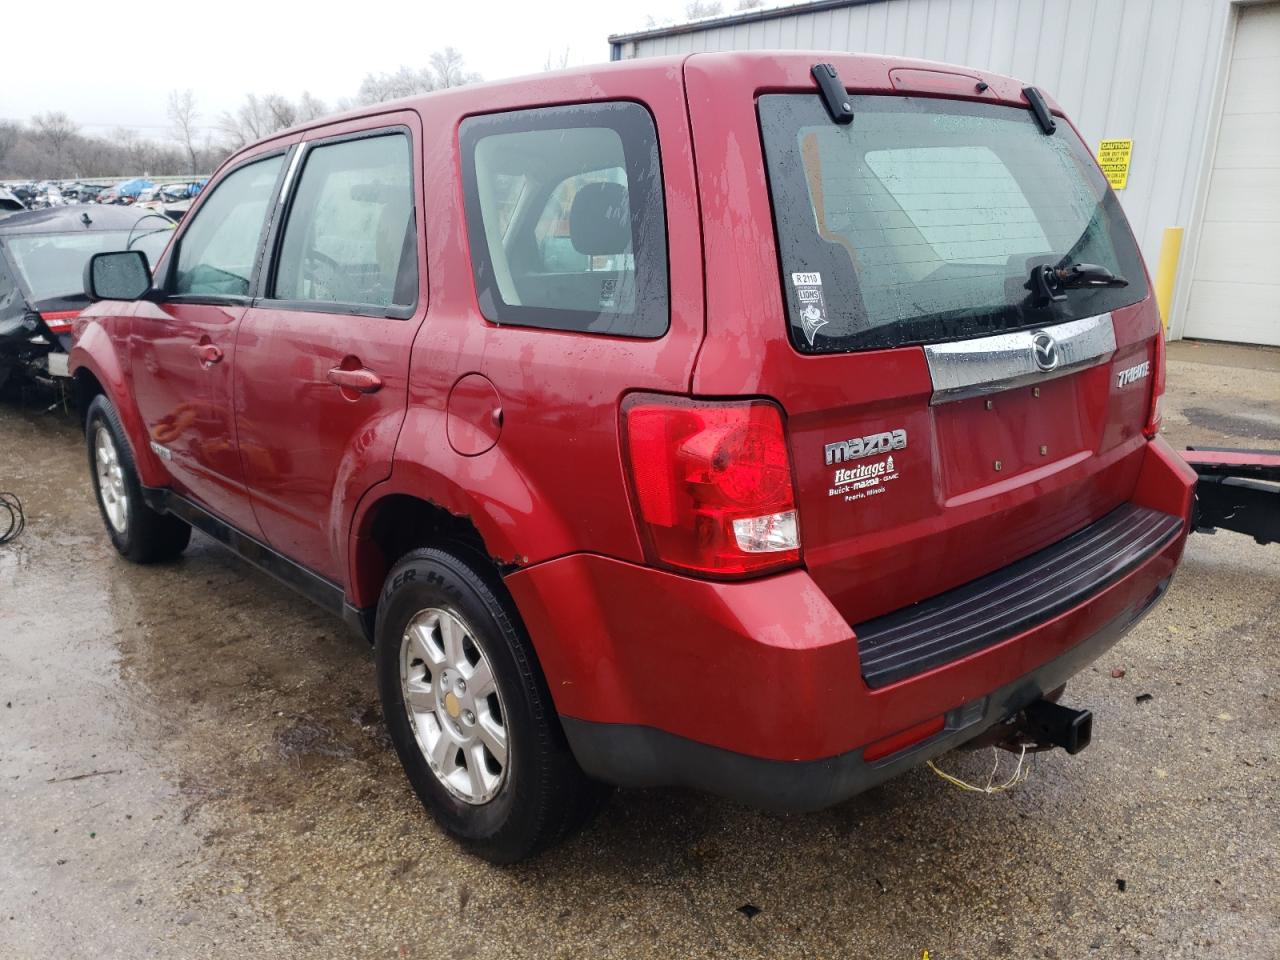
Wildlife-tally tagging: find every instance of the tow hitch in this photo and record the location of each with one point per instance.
(1051, 724)
(1042, 724)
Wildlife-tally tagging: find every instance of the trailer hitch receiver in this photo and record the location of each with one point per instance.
(1051, 723)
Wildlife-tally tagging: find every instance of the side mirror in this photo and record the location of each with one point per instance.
(123, 275)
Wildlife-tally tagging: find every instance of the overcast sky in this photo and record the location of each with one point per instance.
(113, 66)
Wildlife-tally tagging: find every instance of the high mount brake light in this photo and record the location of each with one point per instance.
(1155, 413)
(712, 484)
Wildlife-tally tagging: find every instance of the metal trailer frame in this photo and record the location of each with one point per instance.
(1237, 490)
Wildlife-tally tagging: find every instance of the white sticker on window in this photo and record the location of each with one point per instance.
(813, 308)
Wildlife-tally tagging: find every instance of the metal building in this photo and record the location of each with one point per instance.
(1195, 84)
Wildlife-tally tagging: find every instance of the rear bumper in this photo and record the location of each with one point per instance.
(636, 756)
(755, 689)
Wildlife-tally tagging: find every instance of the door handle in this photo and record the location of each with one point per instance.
(207, 353)
(362, 380)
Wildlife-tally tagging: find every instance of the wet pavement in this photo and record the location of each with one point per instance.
(192, 764)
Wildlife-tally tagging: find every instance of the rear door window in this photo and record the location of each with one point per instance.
(921, 220)
(350, 239)
(566, 219)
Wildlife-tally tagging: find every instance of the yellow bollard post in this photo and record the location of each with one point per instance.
(1167, 270)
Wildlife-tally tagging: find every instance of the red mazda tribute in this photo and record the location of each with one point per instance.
(742, 421)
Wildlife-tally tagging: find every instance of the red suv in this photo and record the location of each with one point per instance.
(735, 421)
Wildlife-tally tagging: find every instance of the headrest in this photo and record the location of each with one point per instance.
(600, 219)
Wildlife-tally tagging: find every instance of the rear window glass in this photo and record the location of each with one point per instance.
(52, 264)
(922, 220)
(566, 219)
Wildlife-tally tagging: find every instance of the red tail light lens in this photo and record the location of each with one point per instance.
(712, 484)
(59, 321)
(1155, 415)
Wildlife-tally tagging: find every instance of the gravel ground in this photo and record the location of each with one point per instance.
(192, 765)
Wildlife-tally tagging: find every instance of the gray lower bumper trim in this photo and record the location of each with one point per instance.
(635, 756)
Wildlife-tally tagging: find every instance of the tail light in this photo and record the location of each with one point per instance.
(712, 484)
(1157, 388)
(59, 321)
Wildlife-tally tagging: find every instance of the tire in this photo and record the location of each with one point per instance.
(501, 808)
(138, 533)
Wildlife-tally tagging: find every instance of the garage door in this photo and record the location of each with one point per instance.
(1235, 289)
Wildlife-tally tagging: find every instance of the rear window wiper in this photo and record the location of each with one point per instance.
(1048, 282)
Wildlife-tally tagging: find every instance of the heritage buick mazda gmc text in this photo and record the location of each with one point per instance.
(761, 423)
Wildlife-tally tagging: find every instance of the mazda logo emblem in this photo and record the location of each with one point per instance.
(1045, 349)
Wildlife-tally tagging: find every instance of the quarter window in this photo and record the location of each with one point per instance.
(216, 253)
(566, 219)
(350, 237)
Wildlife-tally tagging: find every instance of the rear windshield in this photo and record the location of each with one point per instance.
(921, 220)
(52, 264)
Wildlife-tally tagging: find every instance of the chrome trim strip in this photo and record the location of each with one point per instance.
(973, 368)
(288, 174)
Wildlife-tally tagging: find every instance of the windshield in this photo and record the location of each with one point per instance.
(921, 220)
(52, 264)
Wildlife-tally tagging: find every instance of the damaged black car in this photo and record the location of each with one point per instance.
(42, 259)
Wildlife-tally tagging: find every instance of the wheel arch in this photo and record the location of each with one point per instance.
(485, 503)
(95, 366)
(391, 524)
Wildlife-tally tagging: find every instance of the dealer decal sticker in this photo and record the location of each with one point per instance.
(864, 480)
(813, 308)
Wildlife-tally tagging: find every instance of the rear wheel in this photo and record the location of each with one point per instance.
(469, 711)
(138, 533)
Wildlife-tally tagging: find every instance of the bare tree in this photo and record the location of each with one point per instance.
(96, 155)
(54, 132)
(310, 107)
(27, 160)
(10, 134)
(697, 9)
(556, 61)
(182, 117)
(448, 68)
(281, 113)
(41, 152)
(131, 146)
(405, 82)
(51, 146)
(257, 117)
(244, 125)
(750, 4)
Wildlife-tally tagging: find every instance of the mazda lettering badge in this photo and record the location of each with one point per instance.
(1045, 349)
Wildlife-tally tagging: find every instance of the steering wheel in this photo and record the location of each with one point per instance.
(323, 273)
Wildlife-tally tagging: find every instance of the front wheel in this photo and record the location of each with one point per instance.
(470, 713)
(137, 532)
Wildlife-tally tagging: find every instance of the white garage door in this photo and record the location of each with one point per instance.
(1235, 290)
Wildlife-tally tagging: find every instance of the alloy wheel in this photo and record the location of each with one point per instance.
(111, 487)
(453, 705)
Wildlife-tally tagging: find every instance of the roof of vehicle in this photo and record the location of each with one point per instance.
(70, 219)
(576, 80)
(661, 65)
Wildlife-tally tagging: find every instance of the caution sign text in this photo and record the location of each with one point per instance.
(1113, 157)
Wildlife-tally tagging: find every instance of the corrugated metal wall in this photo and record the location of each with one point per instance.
(1130, 69)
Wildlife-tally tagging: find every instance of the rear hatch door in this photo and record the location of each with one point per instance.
(944, 420)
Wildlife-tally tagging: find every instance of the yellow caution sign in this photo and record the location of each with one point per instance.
(1113, 157)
